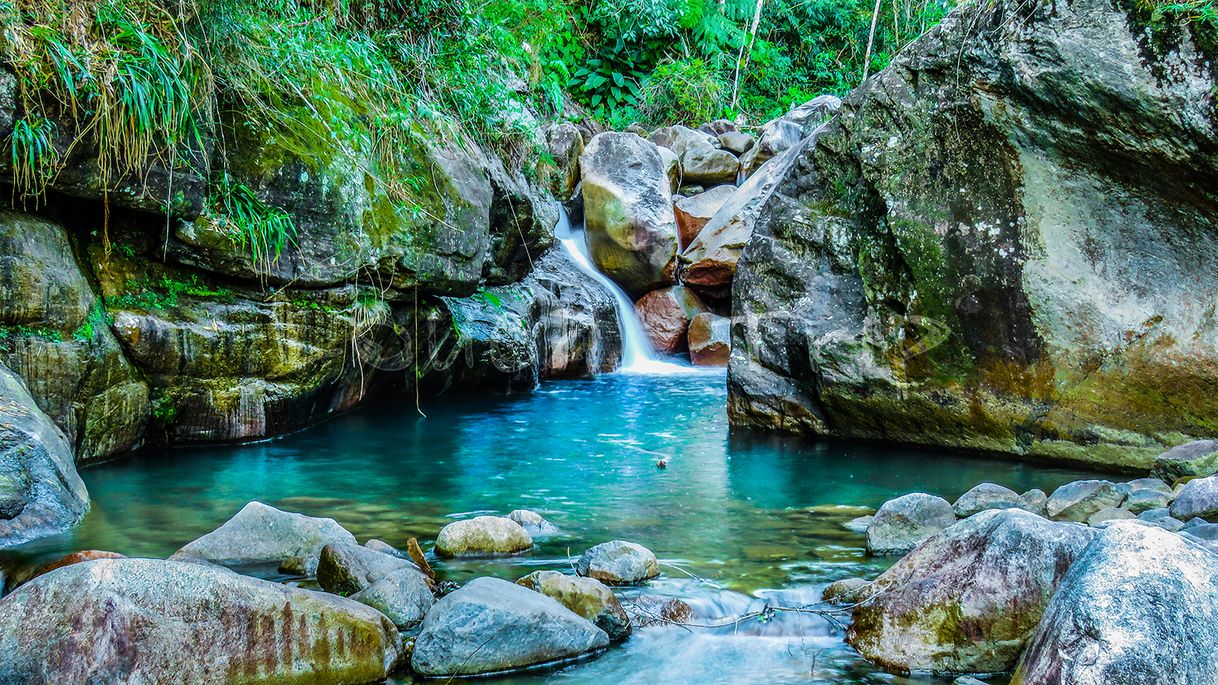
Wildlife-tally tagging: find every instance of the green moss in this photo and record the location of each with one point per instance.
(151, 294)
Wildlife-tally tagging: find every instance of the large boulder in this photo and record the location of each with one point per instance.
(565, 146)
(152, 621)
(1197, 458)
(491, 625)
(631, 229)
(1078, 500)
(681, 139)
(40, 491)
(986, 496)
(618, 563)
(948, 263)
(710, 339)
(587, 597)
(1139, 606)
(901, 524)
(262, 535)
(709, 166)
(695, 211)
(665, 315)
(391, 585)
(967, 599)
(482, 536)
(1198, 498)
(709, 261)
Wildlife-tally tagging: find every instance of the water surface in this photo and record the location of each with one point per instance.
(738, 520)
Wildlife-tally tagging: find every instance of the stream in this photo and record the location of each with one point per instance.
(736, 519)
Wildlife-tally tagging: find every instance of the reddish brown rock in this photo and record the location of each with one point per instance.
(665, 315)
(693, 212)
(710, 339)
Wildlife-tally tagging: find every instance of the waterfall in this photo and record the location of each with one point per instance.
(637, 354)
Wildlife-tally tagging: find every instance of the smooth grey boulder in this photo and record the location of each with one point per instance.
(774, 138)
(846, 591)
(403, 597)
(384, 548)
(1144, 499)
(736, 142)
(565, 146)
(482, 536)
(1109, 514)
(681, 139)
(587, 597)
(389, 584)
(533, 523)
(986, 496)
(630, 226)
(708, 166)
(1197, 499)
(1205, 534)
(901, 524)
(968, 598)
(618, 563)
(261, 534)
(1197, 458)
(40, 492)
(1078, 500)
(491, 626)
(1034, 500)
(1155, 484)
(1162, 518)
(1139, 606)
(153, 621)
(858, 525)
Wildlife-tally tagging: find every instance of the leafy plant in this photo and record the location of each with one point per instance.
(262, 230)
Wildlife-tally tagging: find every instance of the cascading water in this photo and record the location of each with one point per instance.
(638, 356)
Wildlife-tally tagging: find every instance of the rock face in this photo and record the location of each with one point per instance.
(666, 314)
(903, 523)
(491, 625)
(587, 597)
(482, 536)
(695, 211)
(1107, 624)
(986, 496)
(967, 599)
(710, 339)
(40, 491)
(632, 232)
(1077, 501)
(946, 263)
(152, 621)
(1198, 498)
(618, 563)
(1197, 458)
(261, 534)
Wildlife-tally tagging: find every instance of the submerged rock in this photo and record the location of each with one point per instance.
(968, 598)
(903, 523)
(618, 563)
(1197, 458)
(710, 340)
(482, 536)
(1077, 501)
(665, 316)
(647, 611)
(491, 625)
(631, 229)
(587, 597)
(261, 534)
(40, 491)
(152, 621)
(986, 496)
(1139, 606)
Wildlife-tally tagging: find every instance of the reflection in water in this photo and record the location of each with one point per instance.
(750, 514)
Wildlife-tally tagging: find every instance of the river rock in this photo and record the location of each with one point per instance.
(66, 560)
(846, 591)
(631, 229)
(565, 145)
(901, 524)
(383, 547)
(1144, 499)
(858, 525)
(1035, 501)
(986, 496)
(872, 307)
(665, 316)
(718, 127)
(1197, 458)
(736, 142)
(649, 611)
(261, 534)
(482, 536)
(710, 339)
(491, 625)
(695, 211)
(775, 137)
(618, 563)
(709, 261)
(1077, 501)
(681, 139)
(709, 166)
(968, 598)
(587, 597)
(1109, 514)
(1109, 622)
(672, 167)
(811, 114)
(1198, 498)
(152, 621)
(40, 492)
(532, 522)
(1161, 518)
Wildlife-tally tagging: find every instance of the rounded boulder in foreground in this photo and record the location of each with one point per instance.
(482, 536)
(618, 563)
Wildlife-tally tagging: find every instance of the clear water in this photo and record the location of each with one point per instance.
(737, 519)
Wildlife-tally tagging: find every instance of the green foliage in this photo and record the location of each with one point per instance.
(1198, 12)
(263, 231)
(97, 319)
(35, 158)
(153, 294)
(165, 409)
(10, 334)
(686, 92)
